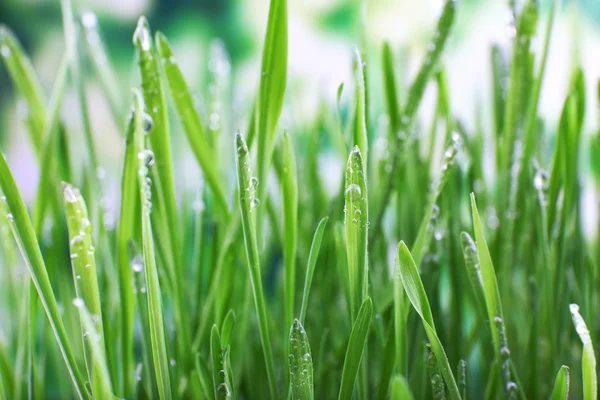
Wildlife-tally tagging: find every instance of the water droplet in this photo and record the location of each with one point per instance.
(78, 302)
(172, 362)
(141, 35)
(505, 352)
(137, 264)
(78, 276)
(77, 239)
(148, 122)
(10, 217)
(353, 192)
(254, 181)
(74, 256)
(147, 157)
(89, 20)
(143, 289)
(5, 51)
(71, 193)
(254, 202)
(511, 386)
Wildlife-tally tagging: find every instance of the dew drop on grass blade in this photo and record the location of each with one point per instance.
(20, 225)
(312, 262)
(562, 384)
(248, 203)
(190, 119)
(356, 221)
(221, 386)
(588, 359)
(355, 349)
(83, 263)
(300, 363)
(155, 308)
(415, 291)
(289, 183)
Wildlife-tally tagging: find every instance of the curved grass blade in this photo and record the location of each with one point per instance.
(23, 232)
(301, 364)
(155, 308)
(356, 219)
(312, 262)
(271, 89)
(248, 203)
(415, 94)
(289, 183)
(190, 119)
(25, 79)
(473, 270)
(561, 384)
(355, 349)
(94, 344)
(400, 315)
(418, 298)
(86, 287)
(400, 389)
(99, 57)
(227, 328)
(221, 389)
(588, 359)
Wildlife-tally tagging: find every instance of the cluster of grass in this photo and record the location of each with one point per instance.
(399, 284)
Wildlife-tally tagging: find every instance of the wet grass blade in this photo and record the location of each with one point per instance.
(273, 77)
(26, 81)
(400, 389)
(415, 291)
(155, 307)
(24, 235)
(220, 387)
(289, 183)
(588, 359)
(102, 64)
(300, 363)
(356, 219)
(355, 349)
(312, 262)
(473, 270)
(190, 119)
(415, 94)
(360, 123)
(561, 384)
(83, 263)
(94, 343)
(248, 204)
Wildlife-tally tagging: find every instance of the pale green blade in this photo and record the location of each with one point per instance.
(562, 384)
(588, 359)
(300, 364)
(312, 262)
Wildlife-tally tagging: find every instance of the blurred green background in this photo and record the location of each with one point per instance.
(322, 34)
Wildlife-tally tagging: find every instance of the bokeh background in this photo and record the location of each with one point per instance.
(322, 36)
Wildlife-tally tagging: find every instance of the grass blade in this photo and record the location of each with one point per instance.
(289, 183)
(588, 359)
(227, 328)
(360, 124)
(221, 389)
(473, 270)
(356, 347)
(312, 262)
(301, 364)
(28, 85)
(400, 389)
(415, 291)
(271, 89)
(356, 218)
(248, 203)
(24, 235)
(190, 119)
(86, 288)
(155, 308)
(562, 383)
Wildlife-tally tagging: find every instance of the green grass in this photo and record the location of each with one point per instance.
(418, 275)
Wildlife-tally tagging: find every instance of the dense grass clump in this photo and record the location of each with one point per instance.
(418, 277)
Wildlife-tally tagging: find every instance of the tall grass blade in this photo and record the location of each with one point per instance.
(400, 389)
(86, 287)
(415, 291)
(360, 123)
(355, 349)
(155, 308)
(190, 119)
(20, 225)
(248, 204)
